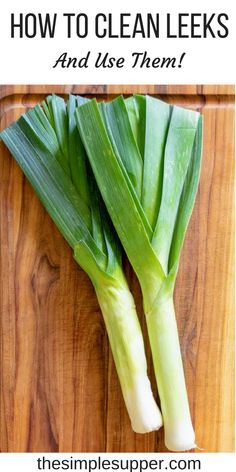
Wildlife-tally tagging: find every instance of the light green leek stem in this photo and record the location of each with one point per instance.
(163, 335)
(127, 346)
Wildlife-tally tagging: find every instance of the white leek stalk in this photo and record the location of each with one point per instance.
(163, 335)
(127, 346)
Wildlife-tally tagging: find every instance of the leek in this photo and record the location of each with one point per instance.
(46, 144)
(146, 155)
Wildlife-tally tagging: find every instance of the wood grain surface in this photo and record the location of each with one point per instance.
(59, 389)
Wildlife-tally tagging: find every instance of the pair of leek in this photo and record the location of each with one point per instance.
(134, 164)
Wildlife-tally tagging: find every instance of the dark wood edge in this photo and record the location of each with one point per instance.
(6, 90)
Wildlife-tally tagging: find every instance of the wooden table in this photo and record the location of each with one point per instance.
(59, 389)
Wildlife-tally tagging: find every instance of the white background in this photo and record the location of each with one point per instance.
(30, 60)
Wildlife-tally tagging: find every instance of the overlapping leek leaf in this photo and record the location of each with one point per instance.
(47, 146)
(146, 156)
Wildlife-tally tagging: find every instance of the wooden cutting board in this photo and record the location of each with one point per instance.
(59, 389)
